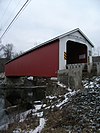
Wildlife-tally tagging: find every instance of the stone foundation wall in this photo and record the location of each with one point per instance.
(98, 68)
(71, 77)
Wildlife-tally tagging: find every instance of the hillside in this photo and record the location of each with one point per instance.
(69, 111)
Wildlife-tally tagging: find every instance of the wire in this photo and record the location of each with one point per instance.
(11, 14)
(16, 16)
(5, 11)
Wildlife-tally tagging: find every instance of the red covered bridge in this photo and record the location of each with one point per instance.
(56, 54)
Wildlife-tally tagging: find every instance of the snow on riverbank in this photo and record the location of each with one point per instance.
(39, 128)
(34, 112)
(39, 113)
(40, 108)
(51, 103)
(65, 98)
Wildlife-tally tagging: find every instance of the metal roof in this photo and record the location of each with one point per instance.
(75, 30)
(54, 39)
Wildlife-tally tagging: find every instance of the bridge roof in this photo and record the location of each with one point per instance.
(54, 39)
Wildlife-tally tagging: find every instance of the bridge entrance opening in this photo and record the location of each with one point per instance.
(76, 53)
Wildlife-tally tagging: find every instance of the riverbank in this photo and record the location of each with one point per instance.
(63, 110)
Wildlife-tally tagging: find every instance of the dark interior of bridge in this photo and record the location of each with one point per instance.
(76, 53)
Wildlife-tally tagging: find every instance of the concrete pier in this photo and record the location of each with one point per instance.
(71, 77)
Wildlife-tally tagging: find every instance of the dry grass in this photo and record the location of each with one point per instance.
(29, 123)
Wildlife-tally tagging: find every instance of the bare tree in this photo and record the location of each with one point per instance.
(17, 54)
(8, 51)
(1, 50)
(1, 47)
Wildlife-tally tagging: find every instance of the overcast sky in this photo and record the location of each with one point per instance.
(46, 19)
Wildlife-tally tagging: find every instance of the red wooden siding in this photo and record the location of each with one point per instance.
(42, 62)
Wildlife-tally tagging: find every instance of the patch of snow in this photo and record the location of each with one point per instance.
(17, 130)
(70, 93)
(69, 89)
(97, 85)
(39, 102)
(86, 87)
(66, 98)
(38, 107)
(98, 78)
(30, 78)
(54, 78)
(38, 114)
(39, 128)
(86, 84)
(60, 104)
(52, 106)
(61, 84)
(91, 83)
(24, 115)
(12, 107)
(44, 105)
(51, 97)
(91, 86)
(47, 107)
(2, 75)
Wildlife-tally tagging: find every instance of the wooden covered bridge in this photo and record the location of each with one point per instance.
(60, 53)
